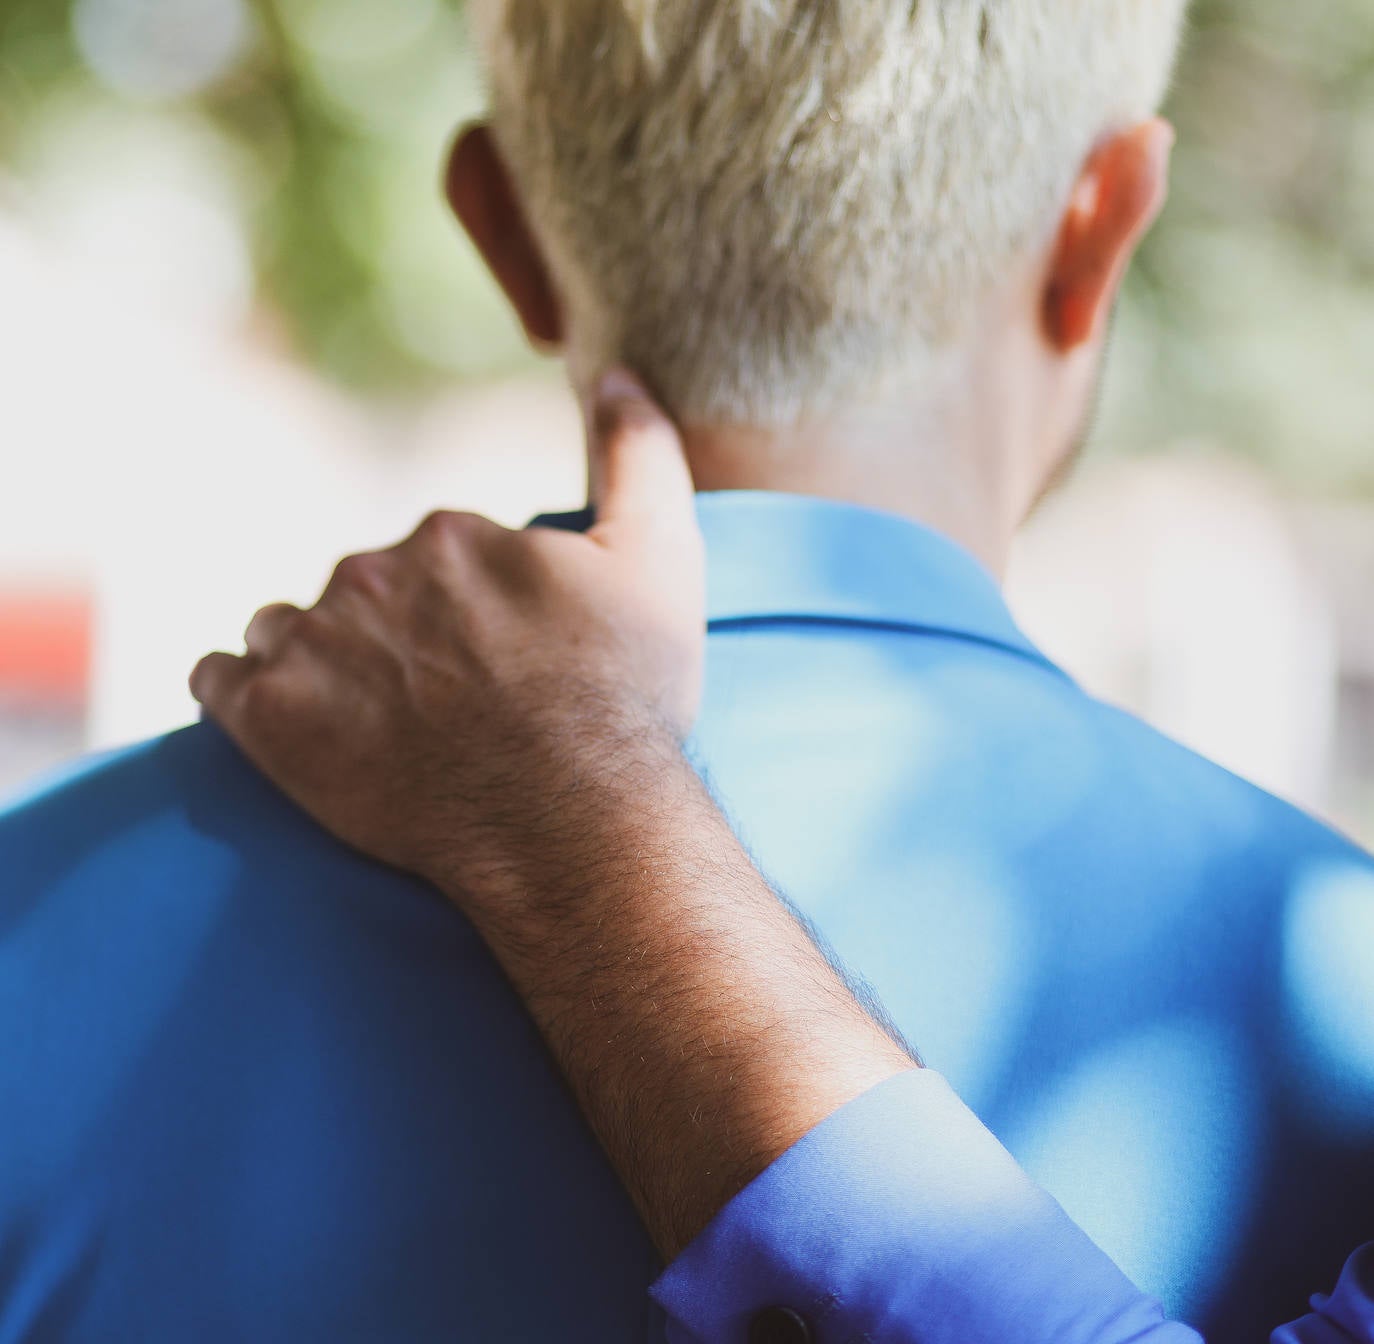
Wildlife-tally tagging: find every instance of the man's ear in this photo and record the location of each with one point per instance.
(479, 189)
(1119, 196)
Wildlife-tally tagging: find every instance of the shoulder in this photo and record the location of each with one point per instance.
(1151, 759)
(189, 794)
(195, 762)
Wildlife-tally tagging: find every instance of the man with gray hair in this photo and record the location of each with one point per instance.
(734, 1079)
(256, 1086)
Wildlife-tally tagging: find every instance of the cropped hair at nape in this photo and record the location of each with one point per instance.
(763, 205)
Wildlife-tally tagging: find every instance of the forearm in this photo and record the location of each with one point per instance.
(725, 1065)
(699, 1026)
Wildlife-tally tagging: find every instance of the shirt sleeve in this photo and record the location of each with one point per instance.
(902, 1219)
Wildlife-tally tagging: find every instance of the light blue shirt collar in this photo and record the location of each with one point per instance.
(794, 558)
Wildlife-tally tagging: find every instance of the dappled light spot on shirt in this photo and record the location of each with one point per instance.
(1168, 1121)
(1328, 970)
(953, 956)
(806, 805)
(1040, 738)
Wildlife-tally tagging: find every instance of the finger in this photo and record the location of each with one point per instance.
(450, 535)
(269, 628)
(217, 679)
(640, 472)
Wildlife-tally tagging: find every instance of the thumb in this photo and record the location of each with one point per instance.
(639, 469)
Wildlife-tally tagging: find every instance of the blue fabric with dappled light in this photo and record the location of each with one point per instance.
(255, 1087)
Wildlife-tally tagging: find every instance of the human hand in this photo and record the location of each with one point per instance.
(445, 699)
(502, 713)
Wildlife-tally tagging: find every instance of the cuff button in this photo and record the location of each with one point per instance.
(779, 1325)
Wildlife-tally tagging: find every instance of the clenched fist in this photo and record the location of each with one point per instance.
(444, 702)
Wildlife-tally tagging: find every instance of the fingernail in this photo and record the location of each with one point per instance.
(619, 385)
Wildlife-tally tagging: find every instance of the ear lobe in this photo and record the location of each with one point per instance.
(1119, 196)
(480, 191)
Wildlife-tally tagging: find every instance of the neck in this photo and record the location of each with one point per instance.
(958, 478)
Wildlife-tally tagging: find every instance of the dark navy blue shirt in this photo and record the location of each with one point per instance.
(256, 1087)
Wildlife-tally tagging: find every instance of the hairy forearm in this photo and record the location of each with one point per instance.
(700, 1028)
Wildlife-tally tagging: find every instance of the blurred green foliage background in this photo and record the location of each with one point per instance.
(1249, 324)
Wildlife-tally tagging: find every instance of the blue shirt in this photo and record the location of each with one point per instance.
(902, 1219)
(257, 1087)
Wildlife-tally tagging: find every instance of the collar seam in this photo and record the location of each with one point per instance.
(763, 621)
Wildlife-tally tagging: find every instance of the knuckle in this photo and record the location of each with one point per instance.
(441, 524)
(311, 628)
(269, 627)
(446, 527)
(274, 611)
(362, 573)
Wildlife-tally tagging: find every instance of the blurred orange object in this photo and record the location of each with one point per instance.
(45, 648)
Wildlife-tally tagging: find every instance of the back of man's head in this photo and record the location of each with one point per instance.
(763, 205)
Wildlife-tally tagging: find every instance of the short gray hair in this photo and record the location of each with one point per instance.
(762, 206)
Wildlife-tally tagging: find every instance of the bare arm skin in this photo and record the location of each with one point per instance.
(502, 713)
(699, 1027)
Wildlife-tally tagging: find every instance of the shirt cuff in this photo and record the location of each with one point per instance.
(901, 1218)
